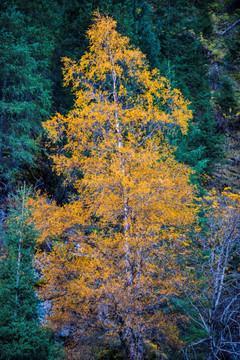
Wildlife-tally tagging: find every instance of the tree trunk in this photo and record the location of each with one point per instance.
(126, 224)
(132, 342)
(2, 127)
(19, 254)
(212, 345)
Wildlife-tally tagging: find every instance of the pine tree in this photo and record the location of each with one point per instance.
(185, 64)
(25, 96)
(21, 336)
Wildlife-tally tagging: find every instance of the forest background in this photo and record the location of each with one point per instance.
(195, 45)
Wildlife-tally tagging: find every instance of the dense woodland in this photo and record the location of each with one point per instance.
(119, 180)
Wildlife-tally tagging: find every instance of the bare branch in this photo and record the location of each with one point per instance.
(230, 27)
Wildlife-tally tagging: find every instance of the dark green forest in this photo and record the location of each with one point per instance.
(195, 46)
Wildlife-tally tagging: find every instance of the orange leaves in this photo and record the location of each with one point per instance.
(115, 261)
(137, 88)
(53, 221)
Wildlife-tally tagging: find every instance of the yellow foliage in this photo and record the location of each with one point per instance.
(116, 263)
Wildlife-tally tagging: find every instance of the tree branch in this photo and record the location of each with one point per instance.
(230, 27)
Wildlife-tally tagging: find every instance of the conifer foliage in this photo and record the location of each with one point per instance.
(25, 89)
(21, 337)
(115, 267)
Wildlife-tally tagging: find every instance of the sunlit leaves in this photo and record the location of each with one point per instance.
(113, 267)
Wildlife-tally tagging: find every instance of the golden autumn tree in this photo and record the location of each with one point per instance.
(116, 267)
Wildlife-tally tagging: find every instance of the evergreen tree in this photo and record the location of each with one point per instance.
(21, 337)
(25, 96)
(186, 66)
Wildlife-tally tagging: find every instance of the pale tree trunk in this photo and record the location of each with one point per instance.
(212, 345)
(2, 120)
(19, 254)
(132, 342)
(131, 339)
(123, 169)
